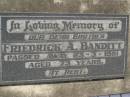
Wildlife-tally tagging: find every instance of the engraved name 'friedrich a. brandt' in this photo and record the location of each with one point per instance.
(58, 48)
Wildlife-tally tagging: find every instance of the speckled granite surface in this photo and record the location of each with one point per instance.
(78, 89)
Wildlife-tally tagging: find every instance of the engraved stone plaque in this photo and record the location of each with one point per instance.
(48, 48)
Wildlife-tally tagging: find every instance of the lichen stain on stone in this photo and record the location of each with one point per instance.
(76, 89)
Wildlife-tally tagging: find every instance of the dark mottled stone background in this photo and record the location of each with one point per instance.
(78, 89)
